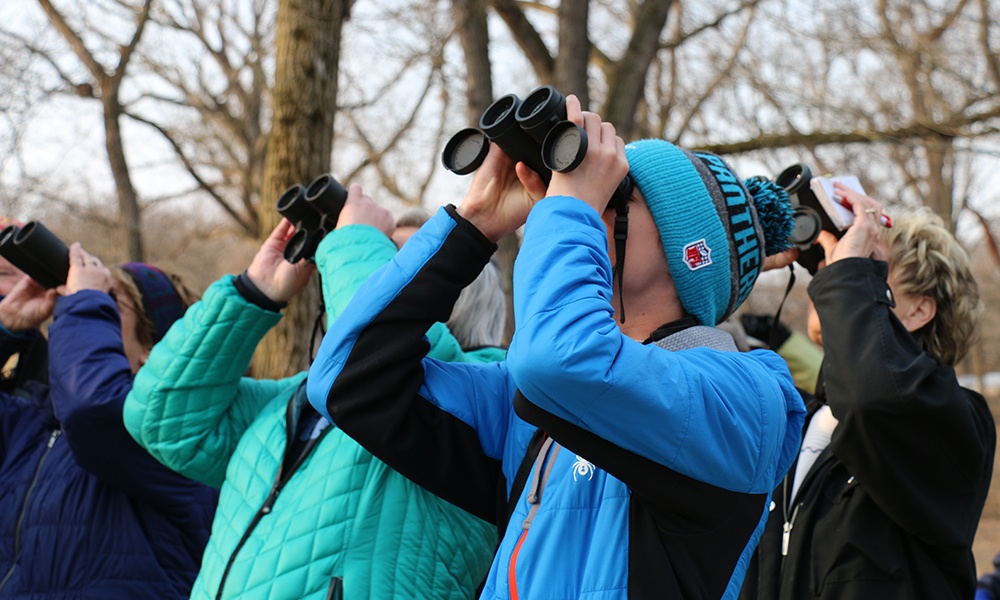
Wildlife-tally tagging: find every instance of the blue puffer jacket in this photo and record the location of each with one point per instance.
(630, 470)
(84, 511)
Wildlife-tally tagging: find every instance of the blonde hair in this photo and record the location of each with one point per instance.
(144, 326)
(927, 260)
(413, 217)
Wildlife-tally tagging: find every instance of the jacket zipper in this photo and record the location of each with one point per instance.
(279, 483)
(24, 506)
(786, 529)
(538, 482)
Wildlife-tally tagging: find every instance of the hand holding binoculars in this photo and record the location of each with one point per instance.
(314, 211)
(533, 131)
(36, 251)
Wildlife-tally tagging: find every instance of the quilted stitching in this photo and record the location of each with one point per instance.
(341, 498)
(343, 513)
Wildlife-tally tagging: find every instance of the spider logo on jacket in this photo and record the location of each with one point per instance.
(583, 467)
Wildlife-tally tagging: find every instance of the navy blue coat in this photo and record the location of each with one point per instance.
(85, 512)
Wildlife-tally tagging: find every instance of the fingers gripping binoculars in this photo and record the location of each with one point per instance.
(533, 131)
(314, 210)
(36, 251)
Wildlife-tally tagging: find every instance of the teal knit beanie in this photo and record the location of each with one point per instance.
(715, 229)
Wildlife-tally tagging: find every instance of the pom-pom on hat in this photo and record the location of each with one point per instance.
(715, 229)
(160, 300)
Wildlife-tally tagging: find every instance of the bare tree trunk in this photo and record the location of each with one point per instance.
(940, 181)
(304, 103)
(574, 50)
(109, 82)
(128, 203)
(470, 21)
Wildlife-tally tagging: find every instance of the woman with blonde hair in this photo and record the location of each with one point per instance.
(896, 457)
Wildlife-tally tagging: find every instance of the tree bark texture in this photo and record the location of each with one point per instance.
(574, 50)
(470, 22)
(128, 202)
(307, 39)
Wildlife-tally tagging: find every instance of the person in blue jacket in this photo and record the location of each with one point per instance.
(636, 449)
(84, 511)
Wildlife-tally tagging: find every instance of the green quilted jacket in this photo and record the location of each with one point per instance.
(338, 517)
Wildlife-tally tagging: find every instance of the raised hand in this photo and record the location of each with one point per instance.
(501, 195)
(277, 278)
(360, 209)
(86, 272)
(604, 166)
(26, 306)
(862, 237)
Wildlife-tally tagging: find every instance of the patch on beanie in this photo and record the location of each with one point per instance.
(697, 255)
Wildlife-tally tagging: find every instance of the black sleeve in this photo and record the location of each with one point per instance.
(921, 444)
(375, 398)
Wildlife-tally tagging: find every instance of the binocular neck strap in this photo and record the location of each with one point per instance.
(621, 235)
(773, 335)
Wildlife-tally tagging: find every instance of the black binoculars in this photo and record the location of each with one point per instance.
(810, 216)
(314, 211)
(533, 131)
(36, 251)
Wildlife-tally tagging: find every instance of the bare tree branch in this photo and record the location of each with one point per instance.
(74, 41)
(721, 76)
(629, 76)
(527, 38)
(247, 222)
(992, 57)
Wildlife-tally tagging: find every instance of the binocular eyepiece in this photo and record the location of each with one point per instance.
(314, 210)
(36, 251)
(533, 131)
(810, 217)
(808, 222)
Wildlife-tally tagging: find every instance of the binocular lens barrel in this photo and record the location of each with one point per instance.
(465, 151)
(327, 197)
(542, 110)
(302, 244)
(292, 205)
(794, 178)
(564, 147)
(314, 210)
(500, 116)
(807, 227)
(36, 251)
(500, 125)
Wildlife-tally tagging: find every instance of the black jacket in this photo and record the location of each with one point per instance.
(890, 508)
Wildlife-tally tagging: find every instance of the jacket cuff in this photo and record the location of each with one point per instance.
(472, 232)
(863, 276)
(252, 294)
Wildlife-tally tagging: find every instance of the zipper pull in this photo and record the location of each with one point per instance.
(270, 500)
(52, 438)
(786, 530)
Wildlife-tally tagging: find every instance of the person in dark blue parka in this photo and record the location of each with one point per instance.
(85, 512)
